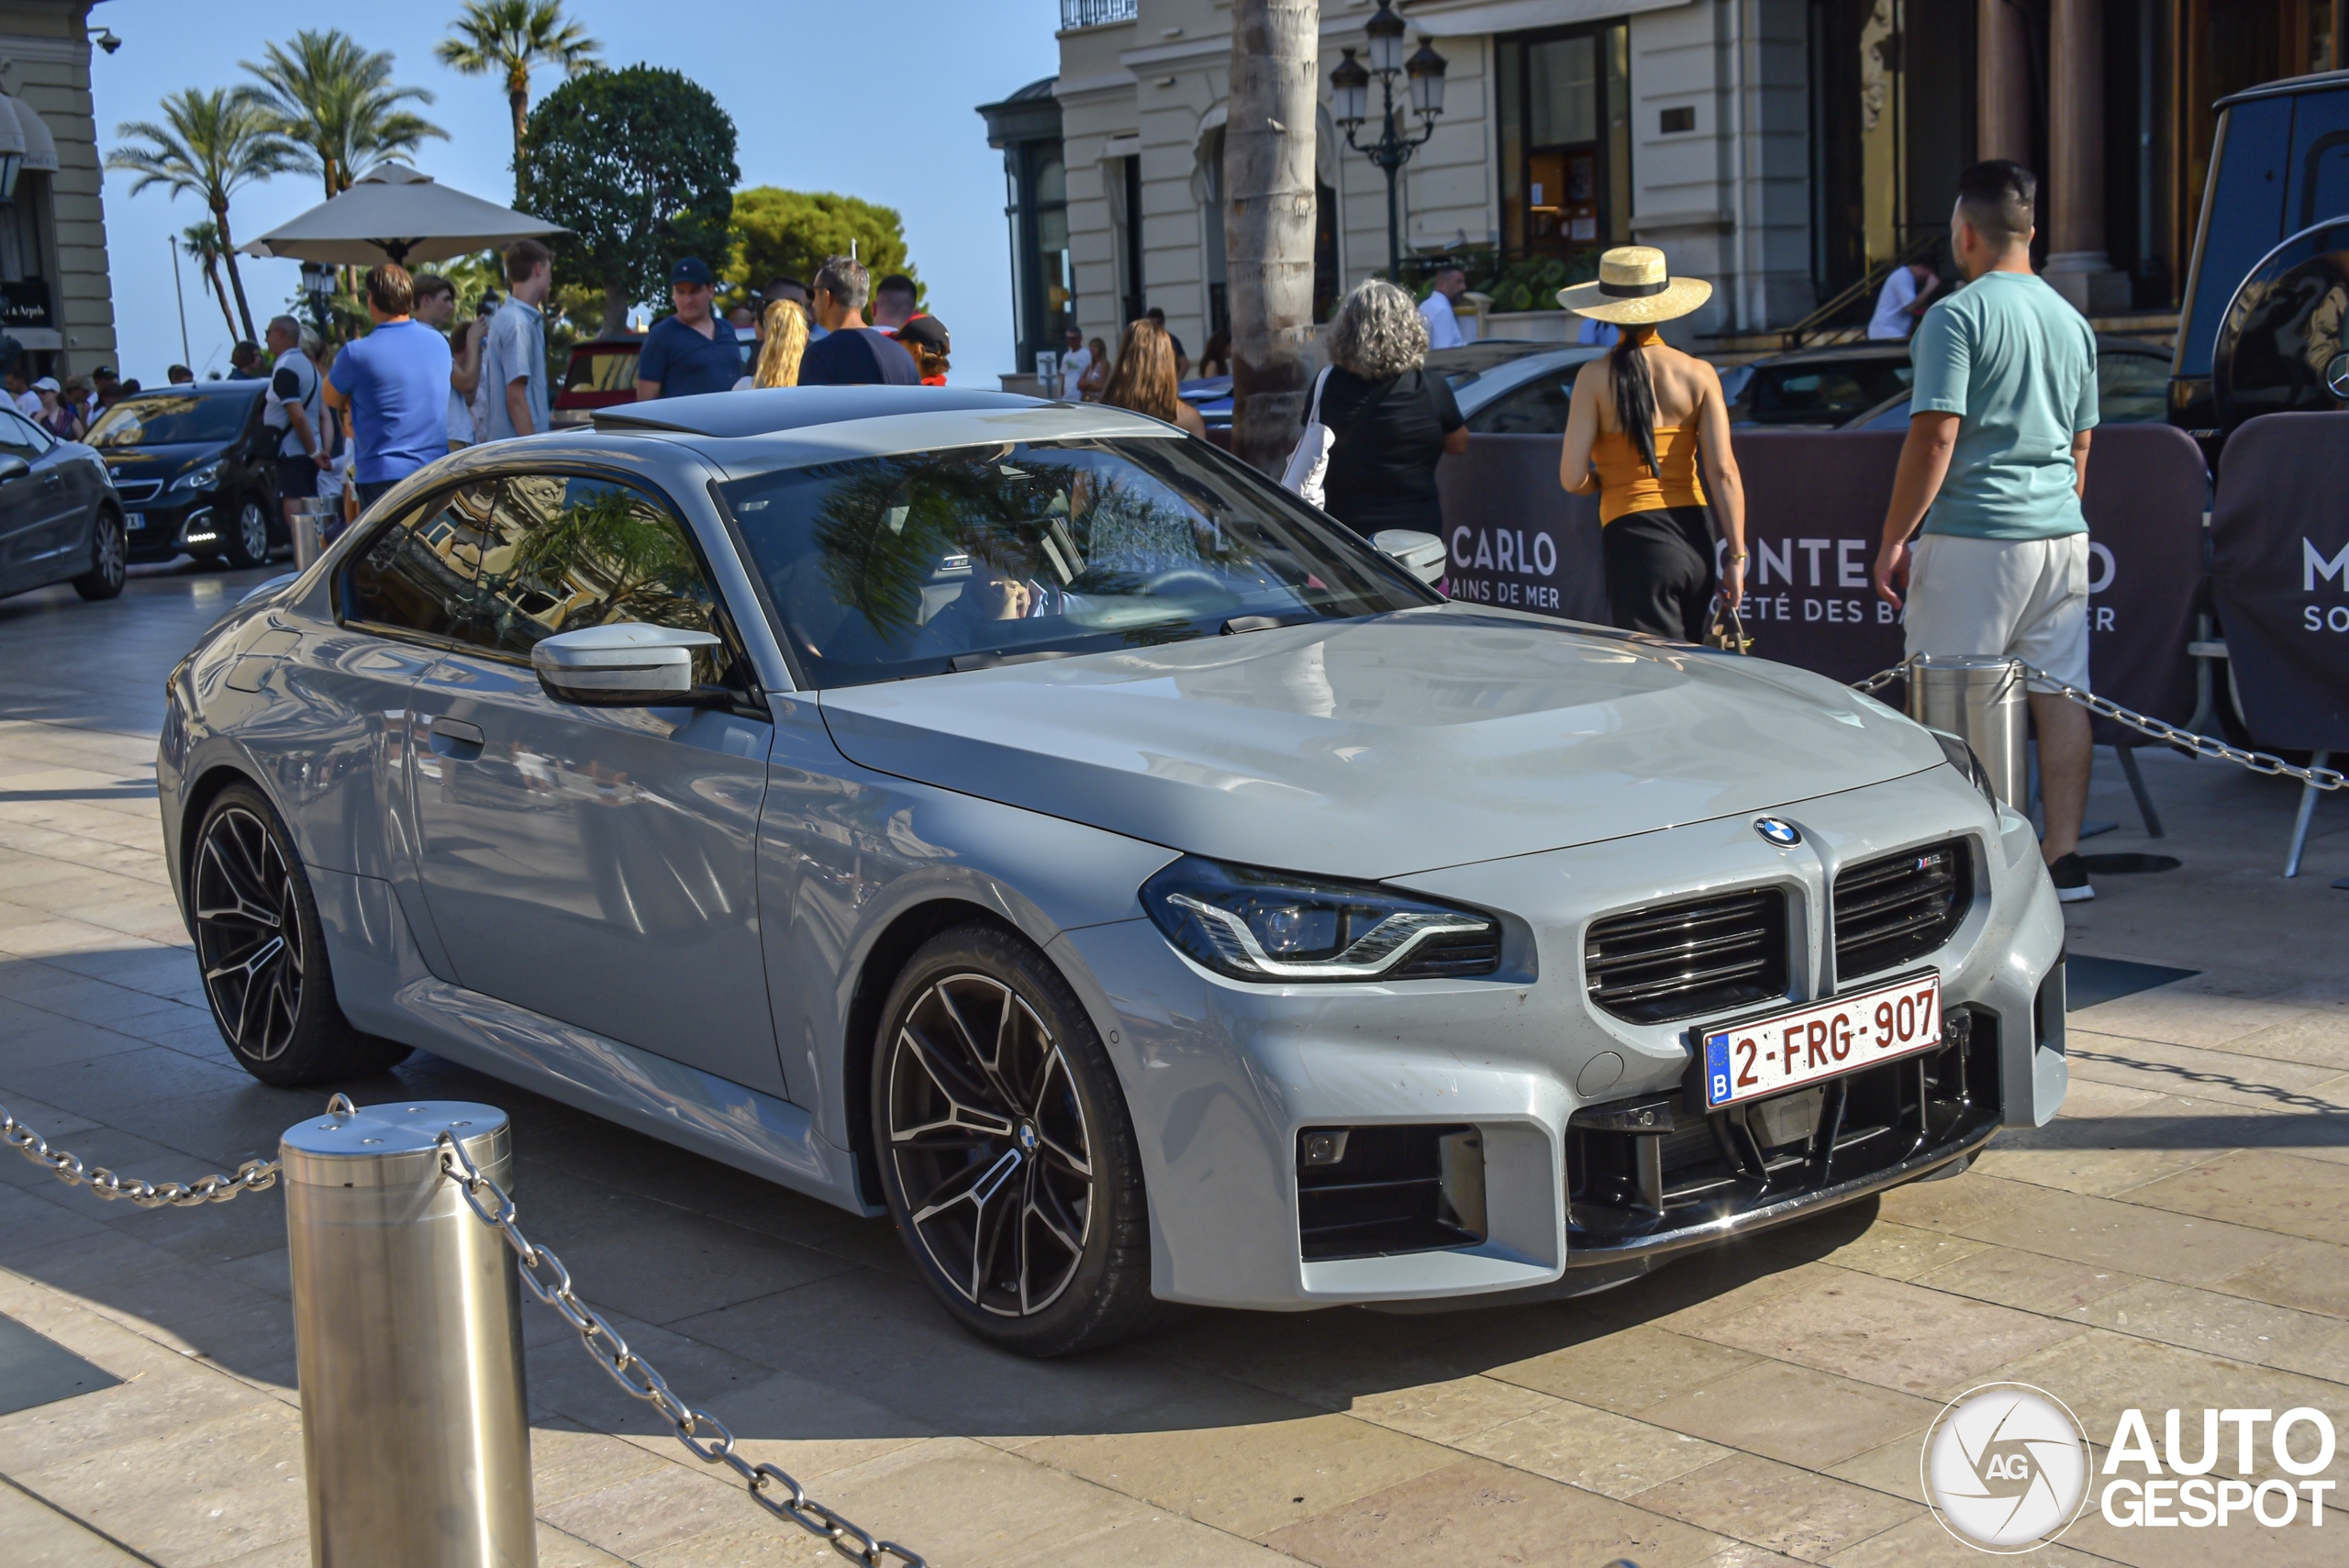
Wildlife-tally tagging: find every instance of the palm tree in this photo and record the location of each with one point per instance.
(201, 242)
(510, 39)
(336, 103)
(208, 145)
(1268, 223)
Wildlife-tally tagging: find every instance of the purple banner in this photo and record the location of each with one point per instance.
(2279, 538)
(1815, 502)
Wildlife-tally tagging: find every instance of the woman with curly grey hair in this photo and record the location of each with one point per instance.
(1392, 417)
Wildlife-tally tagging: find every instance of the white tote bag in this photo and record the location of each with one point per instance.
(1310, 461)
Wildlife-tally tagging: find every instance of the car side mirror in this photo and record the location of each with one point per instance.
(1420, 555)
(626, 665)
(13, 467)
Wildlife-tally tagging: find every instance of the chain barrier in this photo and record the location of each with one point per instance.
(2170, 734)
(251, 1176)
(703, 1434)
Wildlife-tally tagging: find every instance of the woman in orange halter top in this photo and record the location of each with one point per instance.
(1649, 432)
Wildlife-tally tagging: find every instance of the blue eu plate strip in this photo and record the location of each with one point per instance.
(1716, 1069)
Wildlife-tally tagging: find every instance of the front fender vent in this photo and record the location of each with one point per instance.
(1714, 955)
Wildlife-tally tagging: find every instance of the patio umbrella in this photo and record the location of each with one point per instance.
(393, 212)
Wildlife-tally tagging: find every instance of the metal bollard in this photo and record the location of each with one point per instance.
(409, 1341)
(308, 528)
(1985, 702)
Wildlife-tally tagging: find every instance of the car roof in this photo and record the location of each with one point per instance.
(1891, 348)
(770, 410)
(250, 386)
(2323, 82)
(1485, 353)
(786, 427)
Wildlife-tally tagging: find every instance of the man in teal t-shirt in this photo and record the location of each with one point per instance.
(1995, 463)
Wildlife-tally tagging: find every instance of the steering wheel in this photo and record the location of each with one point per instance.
(1180, 575)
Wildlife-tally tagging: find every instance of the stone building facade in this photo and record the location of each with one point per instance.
(1788, 149)
(56, 301)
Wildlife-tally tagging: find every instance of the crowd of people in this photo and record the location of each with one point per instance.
(420, 384)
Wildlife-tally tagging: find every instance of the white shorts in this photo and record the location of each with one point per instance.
(2024, 599)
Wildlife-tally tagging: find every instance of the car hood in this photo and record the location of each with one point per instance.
(1375, 748)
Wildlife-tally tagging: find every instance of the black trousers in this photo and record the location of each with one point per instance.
(1660, 571)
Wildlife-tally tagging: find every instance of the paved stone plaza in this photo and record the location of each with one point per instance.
(2179, 1238)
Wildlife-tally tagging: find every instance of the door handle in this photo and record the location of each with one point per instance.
(454, 737)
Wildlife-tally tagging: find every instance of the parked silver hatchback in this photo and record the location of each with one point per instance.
(1026, 821)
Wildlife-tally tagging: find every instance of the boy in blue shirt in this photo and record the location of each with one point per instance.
(394, 381)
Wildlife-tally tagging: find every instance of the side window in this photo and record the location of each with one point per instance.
(2132, 389)
(420, 574)
(1537, 408)
(566, 551)
(21, 436)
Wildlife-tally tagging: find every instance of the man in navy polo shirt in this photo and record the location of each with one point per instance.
(692, 351)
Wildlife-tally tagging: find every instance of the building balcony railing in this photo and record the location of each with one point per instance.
(1095, 13)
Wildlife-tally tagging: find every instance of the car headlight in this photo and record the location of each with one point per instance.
(1960, 757)
(1276, 925)
(199, 479)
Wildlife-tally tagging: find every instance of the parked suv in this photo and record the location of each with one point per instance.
(196, 472)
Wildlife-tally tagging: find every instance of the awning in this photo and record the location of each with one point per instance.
(24, 133)
(393, 212)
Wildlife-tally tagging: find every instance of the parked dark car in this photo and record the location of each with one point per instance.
(1864, 386)
(2132, 388)
(2279, 170)
(59, 518)
(196, 472)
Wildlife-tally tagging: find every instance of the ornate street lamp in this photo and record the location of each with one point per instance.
(1350, 106)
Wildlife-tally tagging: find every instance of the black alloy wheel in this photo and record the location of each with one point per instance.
(263, 952)
(110, 557)
(1006, 1156)
(248, 533)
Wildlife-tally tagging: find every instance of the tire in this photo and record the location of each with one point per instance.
(1006, 1156)
(263, 953)
(110, 557)
(246, 540)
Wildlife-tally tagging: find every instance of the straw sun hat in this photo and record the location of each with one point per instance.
(1633, 289)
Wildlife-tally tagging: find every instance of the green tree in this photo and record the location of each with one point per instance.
(337, 103)
(207, 144)
(638, 164)
(510, 39)
(788, 234)
(200, 242)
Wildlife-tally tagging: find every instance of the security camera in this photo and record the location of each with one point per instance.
(104, 38)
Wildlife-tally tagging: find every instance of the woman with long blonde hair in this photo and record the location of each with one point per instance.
(1144, 378)
(782, 337)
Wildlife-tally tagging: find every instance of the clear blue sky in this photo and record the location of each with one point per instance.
(881, 111)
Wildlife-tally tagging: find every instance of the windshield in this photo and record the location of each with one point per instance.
(169, 418)
(917, 564)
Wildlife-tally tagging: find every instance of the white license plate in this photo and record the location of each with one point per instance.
(1823, 1040)
(134, 521)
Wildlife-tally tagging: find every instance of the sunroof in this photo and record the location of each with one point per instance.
(761, 413)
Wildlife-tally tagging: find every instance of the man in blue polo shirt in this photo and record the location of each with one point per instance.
(394, 381)
(692, 351)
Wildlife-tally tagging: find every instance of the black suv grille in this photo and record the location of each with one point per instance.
(1893, 910)
(138, 489)
(1701, 956)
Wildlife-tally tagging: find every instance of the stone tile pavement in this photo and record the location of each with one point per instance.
(2180, 1237)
